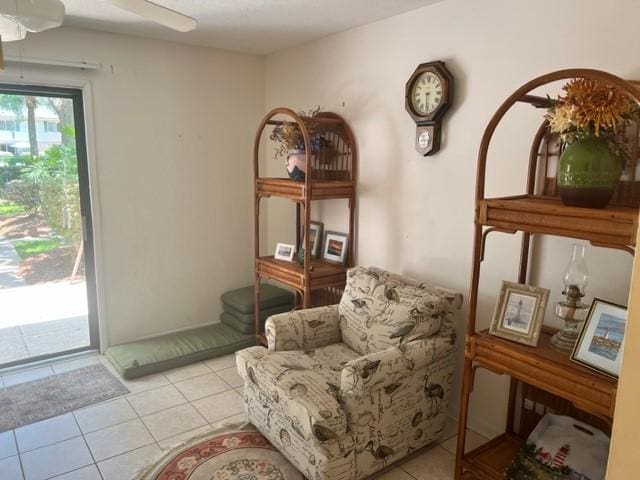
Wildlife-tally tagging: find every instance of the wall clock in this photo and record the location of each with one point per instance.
(428, 94)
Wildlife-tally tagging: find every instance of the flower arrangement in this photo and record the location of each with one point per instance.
(592, 118)
(592, 107)
(289, 136)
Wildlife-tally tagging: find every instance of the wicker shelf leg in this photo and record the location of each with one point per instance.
(467, 381)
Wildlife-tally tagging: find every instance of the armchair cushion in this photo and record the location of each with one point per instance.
(305, 385)
(388, 368)
(380, 310)
(303, 329)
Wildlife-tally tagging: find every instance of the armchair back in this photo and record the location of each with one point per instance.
(380, 310)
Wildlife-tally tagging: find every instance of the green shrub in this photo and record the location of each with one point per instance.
(9, 209)
(56, 175)
(24, 194)
(60, 204)
(8, 173)
(58, 162)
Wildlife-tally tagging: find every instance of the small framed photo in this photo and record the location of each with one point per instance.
(315, 238)
(519, 313)
(335, 246)
(284, 251)
(600, 343)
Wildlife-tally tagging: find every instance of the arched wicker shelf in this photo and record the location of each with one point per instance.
(331, 174)
(542, 379)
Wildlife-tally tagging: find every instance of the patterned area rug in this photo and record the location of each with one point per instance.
(47, 397)
(231, 453)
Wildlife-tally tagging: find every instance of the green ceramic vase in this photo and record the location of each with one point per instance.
(588, 173)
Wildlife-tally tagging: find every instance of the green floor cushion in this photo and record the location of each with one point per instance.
(173, 350)
(264, 313)
(236, 324)
(270, 296)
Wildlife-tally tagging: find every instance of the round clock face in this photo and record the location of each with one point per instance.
(426, 93)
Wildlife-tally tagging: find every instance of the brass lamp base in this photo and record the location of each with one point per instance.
(565, 340)
(574, 315)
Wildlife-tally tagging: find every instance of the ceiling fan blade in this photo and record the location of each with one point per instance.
(34, 16)
(158, 14)
(11, 31)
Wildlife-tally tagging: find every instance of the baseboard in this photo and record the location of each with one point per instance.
(481, 426)
(484, 428)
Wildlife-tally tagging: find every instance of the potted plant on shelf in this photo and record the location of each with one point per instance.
(591, 117)
(291, 144)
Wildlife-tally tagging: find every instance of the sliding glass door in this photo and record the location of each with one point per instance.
(47, 277)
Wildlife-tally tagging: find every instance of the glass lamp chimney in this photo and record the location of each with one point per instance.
(576, 275)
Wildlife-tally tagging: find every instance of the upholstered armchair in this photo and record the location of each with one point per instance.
(345, 390)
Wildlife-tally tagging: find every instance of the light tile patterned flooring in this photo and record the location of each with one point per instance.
(115, 439)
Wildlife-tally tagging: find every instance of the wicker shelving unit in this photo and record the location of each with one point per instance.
(331, 174)
(542, 379)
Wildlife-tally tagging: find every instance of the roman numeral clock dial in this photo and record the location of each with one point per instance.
(428, 94)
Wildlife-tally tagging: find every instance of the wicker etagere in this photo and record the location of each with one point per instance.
(542, 379)
(331, 174)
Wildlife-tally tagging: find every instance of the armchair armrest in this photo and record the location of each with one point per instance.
(296, 391)
(303, 329)
(380, 369)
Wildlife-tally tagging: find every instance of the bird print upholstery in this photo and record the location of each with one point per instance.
(303, 329)
(345, 390)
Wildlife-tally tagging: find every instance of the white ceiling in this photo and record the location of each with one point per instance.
(254, 26)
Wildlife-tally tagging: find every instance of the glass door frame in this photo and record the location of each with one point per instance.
(77, 98)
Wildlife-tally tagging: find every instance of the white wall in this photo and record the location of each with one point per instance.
(415, 213)
(173, 128)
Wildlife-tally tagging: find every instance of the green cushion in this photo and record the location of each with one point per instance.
(236, 323)
(270, 296)
(264, 313)
(173, 350)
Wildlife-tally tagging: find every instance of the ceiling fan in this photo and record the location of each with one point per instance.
(17, 17)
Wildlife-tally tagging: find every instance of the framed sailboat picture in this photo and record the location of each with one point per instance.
(519, 313)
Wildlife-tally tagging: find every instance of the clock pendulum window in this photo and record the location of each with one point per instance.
(428, 94)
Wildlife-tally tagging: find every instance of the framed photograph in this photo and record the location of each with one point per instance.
(315, 238)
(600, 343)
(284, 251)
(335, 246)
(519, 313)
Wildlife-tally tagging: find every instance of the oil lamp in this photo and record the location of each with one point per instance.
(571, 309)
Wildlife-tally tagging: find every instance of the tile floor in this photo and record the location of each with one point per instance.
(41, 319)
(115, 439)
(31, 340)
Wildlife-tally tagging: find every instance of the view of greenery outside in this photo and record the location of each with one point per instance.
(8, 209)
(27, 248)
(39, 190)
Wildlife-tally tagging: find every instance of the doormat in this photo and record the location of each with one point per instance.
(48, 397)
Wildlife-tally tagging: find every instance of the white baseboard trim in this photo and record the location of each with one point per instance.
(481, 426)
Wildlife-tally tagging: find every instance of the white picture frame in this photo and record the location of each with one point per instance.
(335, 246)
(601, 341)
(284, 251)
